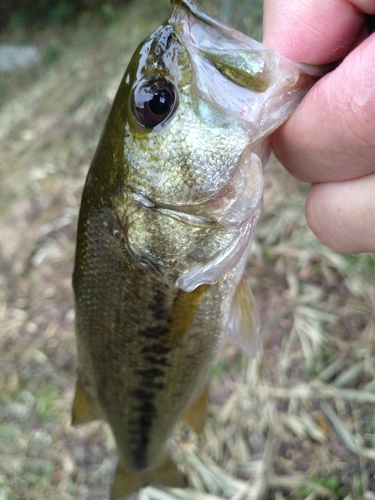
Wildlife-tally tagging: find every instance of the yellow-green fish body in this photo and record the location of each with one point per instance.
(168, 212)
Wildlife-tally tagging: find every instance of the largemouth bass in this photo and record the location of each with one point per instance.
(168, 212)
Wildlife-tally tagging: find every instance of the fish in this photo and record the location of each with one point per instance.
(168, 213)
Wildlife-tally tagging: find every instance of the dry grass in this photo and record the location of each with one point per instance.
(296, 422)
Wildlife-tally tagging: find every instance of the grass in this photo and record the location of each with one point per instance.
(297, 422)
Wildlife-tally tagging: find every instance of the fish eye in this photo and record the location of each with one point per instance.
(154, 102)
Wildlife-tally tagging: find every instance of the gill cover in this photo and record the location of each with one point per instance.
(239, 93)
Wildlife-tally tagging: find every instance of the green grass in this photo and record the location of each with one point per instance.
(332, 483)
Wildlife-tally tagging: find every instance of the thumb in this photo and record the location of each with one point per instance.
(312, 31)
(342, 214)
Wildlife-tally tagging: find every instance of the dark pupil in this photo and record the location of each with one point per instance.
(154, 102)
(160, 104)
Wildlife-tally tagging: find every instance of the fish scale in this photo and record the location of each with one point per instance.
(146, 333)
(168, 213)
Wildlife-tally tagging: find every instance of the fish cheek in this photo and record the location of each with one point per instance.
(161, 242)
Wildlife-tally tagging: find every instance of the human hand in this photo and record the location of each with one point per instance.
(330, 139)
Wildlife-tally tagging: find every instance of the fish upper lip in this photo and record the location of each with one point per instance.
(195, 15)
(215, 42)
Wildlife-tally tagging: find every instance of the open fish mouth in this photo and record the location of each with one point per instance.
(225, 62)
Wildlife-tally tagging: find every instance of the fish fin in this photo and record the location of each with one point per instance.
(128, 482)
(244, 324)
(82, 410)
(167, 474)
(196, 416)
(184, 311)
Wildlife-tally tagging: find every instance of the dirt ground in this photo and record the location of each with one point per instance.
(297, 422)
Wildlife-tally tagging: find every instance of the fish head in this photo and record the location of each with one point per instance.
(186, 141)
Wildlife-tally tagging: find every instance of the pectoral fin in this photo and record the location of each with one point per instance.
(128, 482)
(196, 416)
(184, 311)
(82, 411)
(244, 324)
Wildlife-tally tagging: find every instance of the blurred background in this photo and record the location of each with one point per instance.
(297, 422)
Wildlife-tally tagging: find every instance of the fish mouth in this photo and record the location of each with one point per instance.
(196, 13)
(250, 82)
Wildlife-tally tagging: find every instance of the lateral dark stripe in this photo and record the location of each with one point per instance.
(150, 373)
(158, 306)
(151, 376)
(157, 360)
(152, 332)
(147, 414)
(142, 394)
(155, 349)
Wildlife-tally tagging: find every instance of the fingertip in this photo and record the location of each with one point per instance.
(342, 214)
(321, 218)
(306, 31)
(290, 148)
(330, 136)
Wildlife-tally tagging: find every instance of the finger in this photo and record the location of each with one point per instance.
(312, 31)
(342, 214)
(330, 137)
